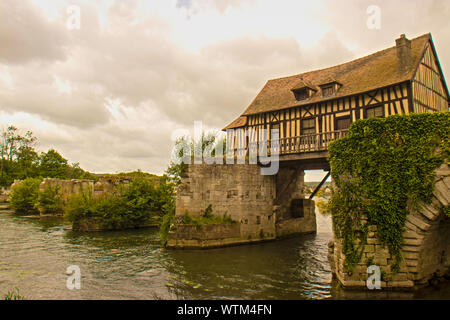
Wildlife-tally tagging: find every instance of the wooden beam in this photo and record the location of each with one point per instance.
(320, 185)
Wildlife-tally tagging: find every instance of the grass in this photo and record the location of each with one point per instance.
(207, 218)
(14, 295)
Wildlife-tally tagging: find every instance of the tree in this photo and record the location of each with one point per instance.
(208, 141)
(53, 165)
(27, 162)
(74, 171)
(20, 160)
(18, 157)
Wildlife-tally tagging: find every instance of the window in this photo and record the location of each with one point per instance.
(308, 126)
(297, 208)
(343, 123)
(302, 94)
(375, 112)
(328, 90)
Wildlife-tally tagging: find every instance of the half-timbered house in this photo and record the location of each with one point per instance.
(313, 108)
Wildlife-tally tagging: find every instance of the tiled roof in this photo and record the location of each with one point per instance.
(239, 122)
(361, 75)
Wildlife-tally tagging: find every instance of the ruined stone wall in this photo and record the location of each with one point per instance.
(68, 187)
(249, 198)
(109, 184)
(239, 191)
(74, 186)
(425, 251)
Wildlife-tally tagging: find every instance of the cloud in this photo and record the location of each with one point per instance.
(27, 35)
(220, 5)
(183, 3)
(110, 94)
(411, 17)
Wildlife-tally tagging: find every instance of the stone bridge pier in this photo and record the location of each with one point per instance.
(425, 250)
(262, 207)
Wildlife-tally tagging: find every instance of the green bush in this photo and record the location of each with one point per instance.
(79, 205)
(208, 212)
(50, 200)
(142, 201)
(165, 224)
(24, 196)
(446, 210)
(186, 218)
(207, 218)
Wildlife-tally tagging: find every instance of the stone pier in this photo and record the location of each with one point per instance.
(425, 251)
(263, 207)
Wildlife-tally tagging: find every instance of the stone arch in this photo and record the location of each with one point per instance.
(425, 251)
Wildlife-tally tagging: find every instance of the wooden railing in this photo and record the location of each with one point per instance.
(309, 142)
(300, 144)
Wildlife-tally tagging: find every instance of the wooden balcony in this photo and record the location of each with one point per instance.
(308, 143)
(311, 149)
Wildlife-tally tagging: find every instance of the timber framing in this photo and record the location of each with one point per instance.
(371, 83)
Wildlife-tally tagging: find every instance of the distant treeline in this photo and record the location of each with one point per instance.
(132, 174)
(19, 160)
(314, 184)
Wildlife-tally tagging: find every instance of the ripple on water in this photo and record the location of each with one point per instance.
(132, 264)
(35, 254)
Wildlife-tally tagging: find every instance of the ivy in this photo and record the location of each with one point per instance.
(446, 210)
(383, 168)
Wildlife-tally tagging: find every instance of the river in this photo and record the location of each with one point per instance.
(35, 253)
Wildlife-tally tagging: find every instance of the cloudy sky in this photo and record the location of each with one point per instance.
(110, 94)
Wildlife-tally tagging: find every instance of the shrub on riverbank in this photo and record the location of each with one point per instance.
(166, 222)
(50, 200)
(24, 196)
(198, 221)
(206, 218)
(142, 202)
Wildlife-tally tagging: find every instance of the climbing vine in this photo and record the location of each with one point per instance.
(381, 169)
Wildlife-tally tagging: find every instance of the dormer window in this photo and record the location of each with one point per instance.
(303, 91)
(329, 88)
(328, 91)
(301, 94)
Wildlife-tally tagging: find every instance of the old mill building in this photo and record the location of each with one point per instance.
(310, 110)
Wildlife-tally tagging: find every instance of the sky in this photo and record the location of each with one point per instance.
(110, 89)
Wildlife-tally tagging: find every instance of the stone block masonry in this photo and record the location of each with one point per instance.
(67, 188)
(260, 205)
(425, 250)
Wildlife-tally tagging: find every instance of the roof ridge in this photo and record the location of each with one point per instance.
(351, 61)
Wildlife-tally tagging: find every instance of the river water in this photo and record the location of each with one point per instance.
(35, 253)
